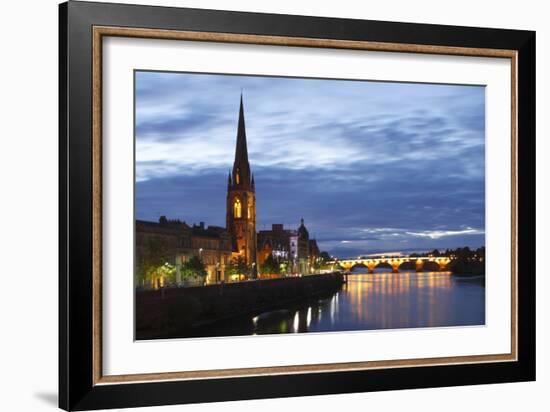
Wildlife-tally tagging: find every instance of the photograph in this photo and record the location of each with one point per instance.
(268, 205)
(278, 203)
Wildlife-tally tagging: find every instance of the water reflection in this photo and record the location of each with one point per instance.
(374, 301)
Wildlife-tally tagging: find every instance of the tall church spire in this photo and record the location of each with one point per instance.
(241, 167)
(241, 202)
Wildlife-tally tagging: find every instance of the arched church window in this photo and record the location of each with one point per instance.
(237, 208)
(238, 176)
(250, 210)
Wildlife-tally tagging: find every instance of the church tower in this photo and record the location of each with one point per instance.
(241, 201)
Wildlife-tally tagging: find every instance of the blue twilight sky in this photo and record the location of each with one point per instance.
(370, 166)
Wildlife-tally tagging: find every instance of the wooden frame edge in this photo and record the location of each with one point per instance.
(97, 198)
(297, 41)
(98, 32)
(297, 369)
(514, 204)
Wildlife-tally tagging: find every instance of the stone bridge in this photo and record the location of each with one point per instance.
(394, 261)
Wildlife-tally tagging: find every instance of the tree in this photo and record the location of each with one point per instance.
(322, 262)
(166, 272)
(270, 266)
(468, 262)
(194, 267)
(285, 266)
(152, 261)
(238, 266)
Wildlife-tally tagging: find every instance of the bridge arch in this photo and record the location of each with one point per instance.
(358, 265)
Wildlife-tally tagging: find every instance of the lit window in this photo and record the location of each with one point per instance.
(237, 208)
(238, 177)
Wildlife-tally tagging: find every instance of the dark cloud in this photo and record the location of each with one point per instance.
(168, 128)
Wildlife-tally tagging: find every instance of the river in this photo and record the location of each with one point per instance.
(380, 300)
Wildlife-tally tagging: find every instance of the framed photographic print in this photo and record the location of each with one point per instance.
(256, 205)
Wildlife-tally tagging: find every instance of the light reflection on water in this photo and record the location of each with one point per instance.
(376, 301)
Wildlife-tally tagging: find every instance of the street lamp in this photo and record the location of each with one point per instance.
(254, 275)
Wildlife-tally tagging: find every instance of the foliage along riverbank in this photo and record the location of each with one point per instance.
(465, 261)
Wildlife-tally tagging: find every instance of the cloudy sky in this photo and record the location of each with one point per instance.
(370, 166)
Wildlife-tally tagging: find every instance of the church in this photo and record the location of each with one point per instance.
(241, 202)
(291, 246)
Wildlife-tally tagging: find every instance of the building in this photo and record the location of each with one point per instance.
(280, 243)
(212, 245)
(314, 254)
(303, 248)
(241, 202)
(292, 246)
(171, 244)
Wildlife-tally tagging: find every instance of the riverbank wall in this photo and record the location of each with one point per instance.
(170, 312)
